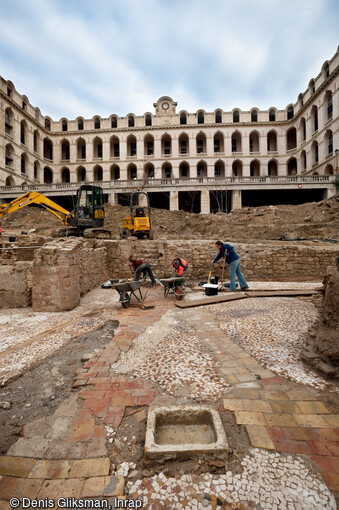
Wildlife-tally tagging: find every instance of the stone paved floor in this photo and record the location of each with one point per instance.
(293, 461)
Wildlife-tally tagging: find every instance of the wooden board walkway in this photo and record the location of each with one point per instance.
(241, 295)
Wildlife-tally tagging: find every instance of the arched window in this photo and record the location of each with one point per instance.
(23, 132)
(48, 175)
(183, 144)
(184, 170)
(48, 149)
(292, 167)
(80, 124)
(236, 142)
(10, 181)
(218, 142)
(148, 145)
(272, 168)
(131, 146)
(167, 171)
(48, 124)
(254, 116)
(201, 118)
(36, 169)
(303, 129)
(303, 160)
(148, 120)
(236, 116)
(114, 121)
(8, 121)
(218, 117)
(97, 148)
(36, 138)
(201, 143)
(219, 168)
(65, 150)
(290, 112)
(149, 171)
(254, 142)
(130, 121)
(115, 147)
(183, 118)
(314, 116)
(81, 174)
(9, 155)
(65, 175)
(326, 70)
(201, 170)
(97, 123)
(237, 168)
(271, 141)
(329, 138)
(64, 126)
(311, 86)
(131, 172)
(329, 98)
(81, 149)
(255, 168)
(98, 173)
(291, 138)
(115, 173)
(166, 145)
(271, 115)
(315, 152)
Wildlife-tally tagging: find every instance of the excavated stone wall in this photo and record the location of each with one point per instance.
(267, 262)
(66, 269)
(322, 346)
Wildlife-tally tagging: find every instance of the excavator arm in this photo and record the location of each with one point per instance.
(33, 197)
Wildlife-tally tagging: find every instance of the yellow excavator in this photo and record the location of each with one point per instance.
(89, 210)
(138, 224)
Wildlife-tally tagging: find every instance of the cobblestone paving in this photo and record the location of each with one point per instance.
(271, 330)
(295, 487)
(294, 435)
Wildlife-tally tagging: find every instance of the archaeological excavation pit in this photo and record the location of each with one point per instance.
(183, 431)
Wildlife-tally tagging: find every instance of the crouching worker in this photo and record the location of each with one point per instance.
(232, 258)
(180, 266)
(142, 266)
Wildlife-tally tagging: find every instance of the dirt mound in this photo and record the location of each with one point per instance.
(315, 220)
(322, 346)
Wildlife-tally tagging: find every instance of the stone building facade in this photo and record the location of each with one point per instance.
(172, 146)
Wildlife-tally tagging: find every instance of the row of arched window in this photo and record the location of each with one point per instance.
(257, 169)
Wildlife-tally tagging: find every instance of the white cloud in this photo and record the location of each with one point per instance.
(85, 58)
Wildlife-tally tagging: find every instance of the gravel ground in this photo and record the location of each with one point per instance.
(27, 338)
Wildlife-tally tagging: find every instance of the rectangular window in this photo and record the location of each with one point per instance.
(167, 147)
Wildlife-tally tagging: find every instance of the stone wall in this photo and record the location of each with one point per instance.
(66, 269)
(279, 262)
(16, 285)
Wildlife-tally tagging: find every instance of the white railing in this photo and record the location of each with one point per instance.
(233, 182)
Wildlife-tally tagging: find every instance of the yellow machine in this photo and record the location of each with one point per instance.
(88, 213)
(139, 222)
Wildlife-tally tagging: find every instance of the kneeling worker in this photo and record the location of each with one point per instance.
(142, 266)
(180, 266)
(232, 258)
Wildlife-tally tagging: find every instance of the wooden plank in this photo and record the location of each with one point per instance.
(210, 301)
(241, 295)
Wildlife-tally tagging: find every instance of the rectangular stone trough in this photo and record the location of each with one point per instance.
(184, 431)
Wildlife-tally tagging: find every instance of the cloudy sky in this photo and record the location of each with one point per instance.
(86, 57)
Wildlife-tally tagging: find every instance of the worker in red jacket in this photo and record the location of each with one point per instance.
(142, 266)
(180, 266)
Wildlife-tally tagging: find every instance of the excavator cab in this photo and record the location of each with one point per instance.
(139, 222)
(89, 209)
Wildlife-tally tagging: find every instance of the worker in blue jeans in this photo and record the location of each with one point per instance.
(232, 258)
